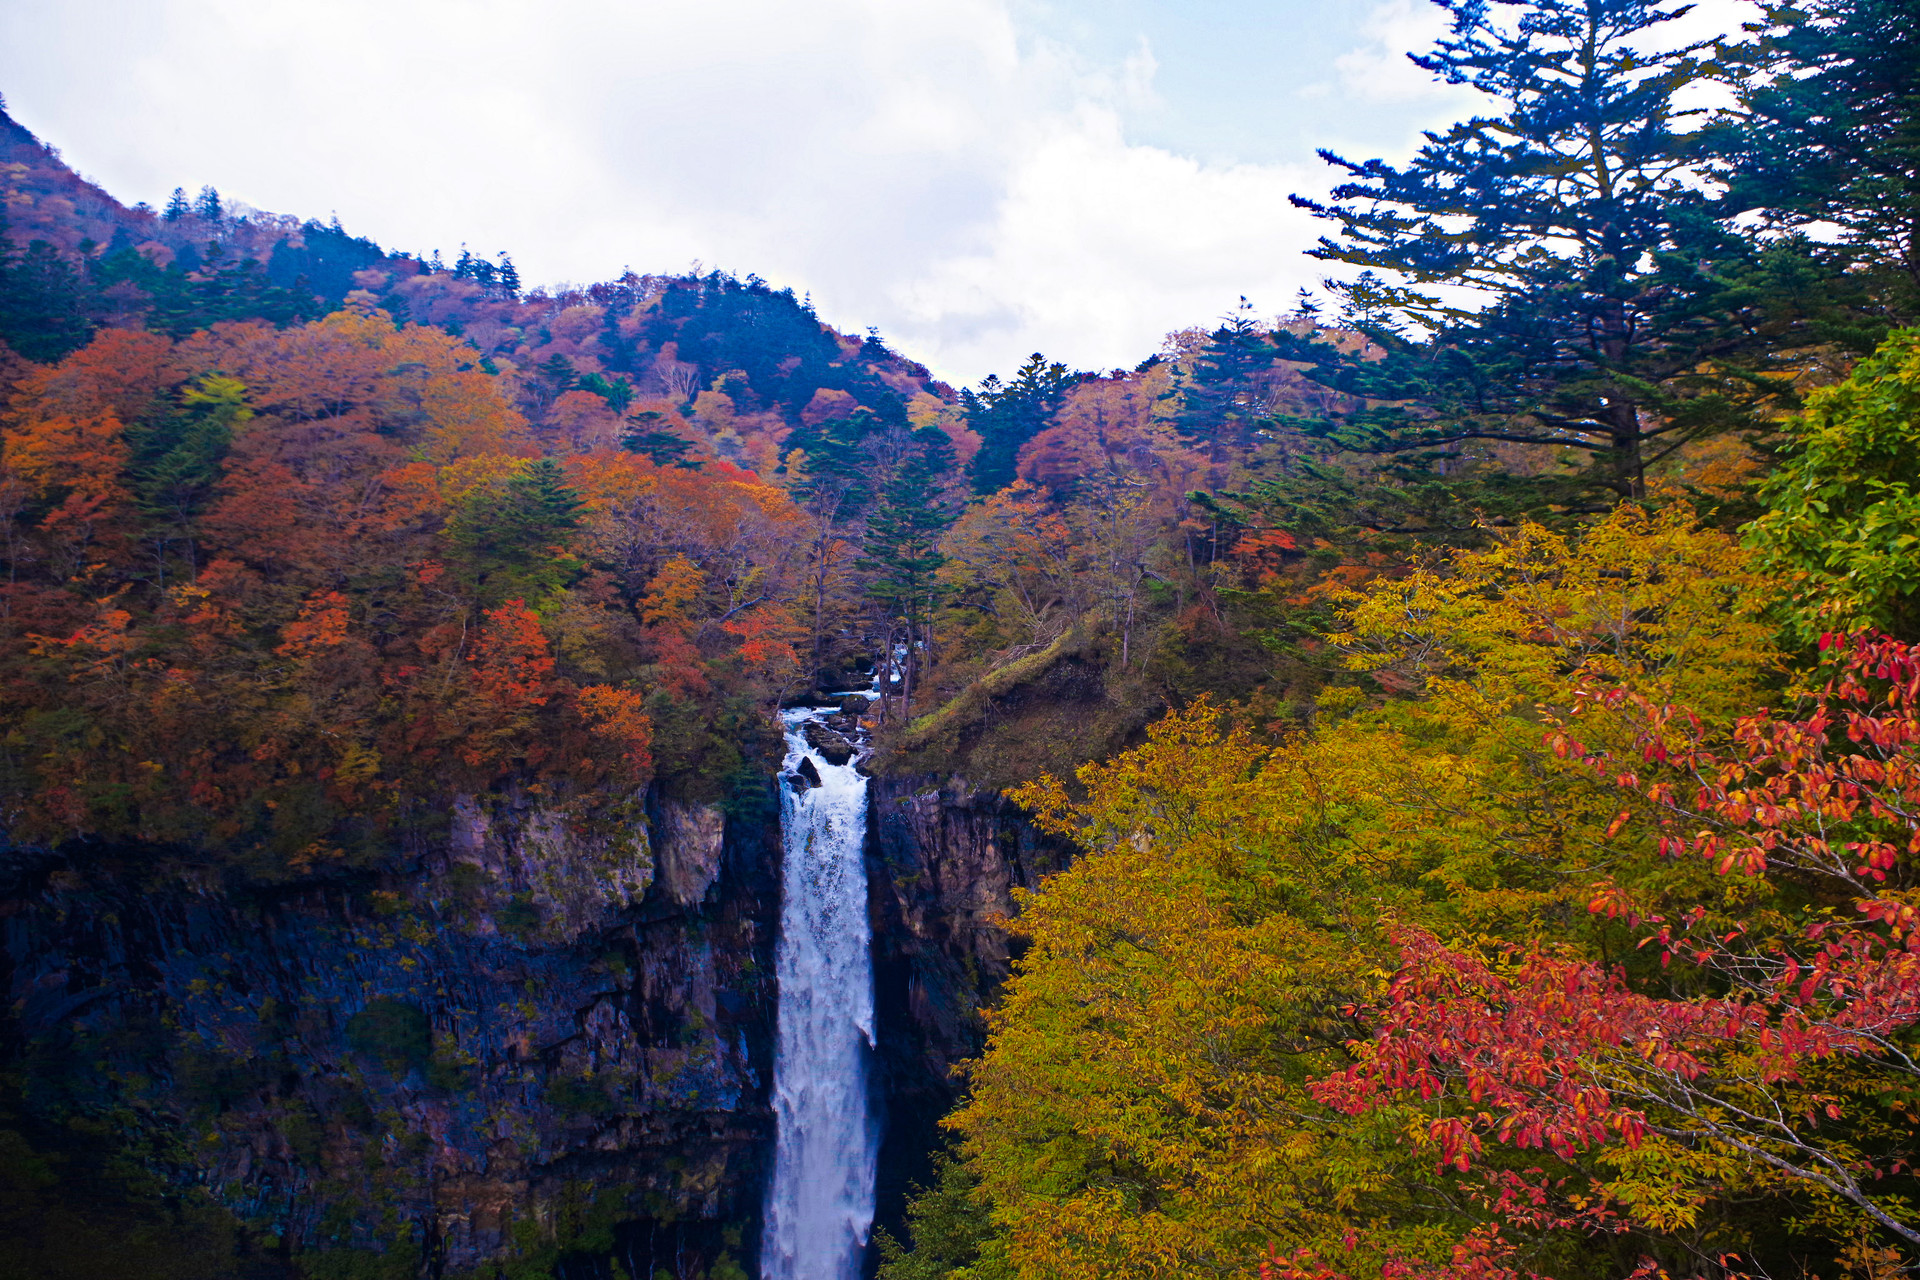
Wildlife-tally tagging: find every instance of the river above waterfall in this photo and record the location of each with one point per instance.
(820, 1199)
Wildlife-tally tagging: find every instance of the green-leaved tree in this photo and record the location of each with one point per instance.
(1007, 415)
(1843, 518)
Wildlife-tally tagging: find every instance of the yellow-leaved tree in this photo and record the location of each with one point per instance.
(1141, 1108)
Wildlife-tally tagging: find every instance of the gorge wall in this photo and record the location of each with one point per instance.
(542, 1035)
(944, 859)
(539, 1040)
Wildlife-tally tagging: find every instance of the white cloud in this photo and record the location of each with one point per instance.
(1379, 71)
(1101, 247)
(926, 167)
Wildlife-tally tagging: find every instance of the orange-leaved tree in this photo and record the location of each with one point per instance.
(268, 591)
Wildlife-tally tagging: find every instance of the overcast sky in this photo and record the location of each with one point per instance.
(979, 179)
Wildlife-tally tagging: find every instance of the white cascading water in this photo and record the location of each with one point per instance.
(820, 1200)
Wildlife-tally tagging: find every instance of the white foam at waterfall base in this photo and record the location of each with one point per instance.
(820, 1199)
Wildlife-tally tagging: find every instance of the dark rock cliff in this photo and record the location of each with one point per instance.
(539, 1037)
(544, 1033)
(943, 861)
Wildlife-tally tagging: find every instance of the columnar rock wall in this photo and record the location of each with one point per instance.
(536, 1027)
(546, 1018)
(944, 859)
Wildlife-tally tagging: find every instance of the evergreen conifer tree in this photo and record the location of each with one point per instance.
(43, 298)
(557, 375)
(177, 206)
(830, 473)
(173, 459)
(1559, 259)
(1830, 133)
(617, 391)
(1220, 403)
(1008, 415)
(901, 546)
(838, 465)
(663, 448)
(517, 535)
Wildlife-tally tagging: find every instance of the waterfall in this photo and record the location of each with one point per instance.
(820, 1199)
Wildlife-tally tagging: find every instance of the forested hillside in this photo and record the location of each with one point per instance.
(1479, 701)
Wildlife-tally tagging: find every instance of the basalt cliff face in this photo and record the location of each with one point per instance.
(539, 1040)
(944, 859)
(543, 1035)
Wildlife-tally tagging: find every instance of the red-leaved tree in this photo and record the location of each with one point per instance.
(1785, 1039)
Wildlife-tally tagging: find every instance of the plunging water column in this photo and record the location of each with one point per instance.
(820, 1200)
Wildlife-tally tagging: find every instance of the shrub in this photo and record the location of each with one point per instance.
(396, 1034)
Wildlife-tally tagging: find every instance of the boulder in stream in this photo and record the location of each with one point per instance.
(835, 746)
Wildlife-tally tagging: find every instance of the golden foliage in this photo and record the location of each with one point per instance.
(1141, 1108)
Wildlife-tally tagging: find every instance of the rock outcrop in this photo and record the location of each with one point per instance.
(574, 876)
(533, 1024)
(834, 737)
(692, 837)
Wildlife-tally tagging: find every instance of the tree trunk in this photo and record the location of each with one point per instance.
(1619, 410)
(1629, 467)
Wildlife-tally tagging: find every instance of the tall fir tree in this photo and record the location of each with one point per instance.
(517, 535)
(174, 462)
(1219, 397)
(1829, 133)
(1558, 260)
(830, 474)
(900, 549)
(43, 297)
(1007, 415)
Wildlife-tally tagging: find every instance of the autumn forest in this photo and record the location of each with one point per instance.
(1448, 754)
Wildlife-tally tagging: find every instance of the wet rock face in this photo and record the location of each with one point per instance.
(943, 862)
(540, 1010)
(832, 737)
